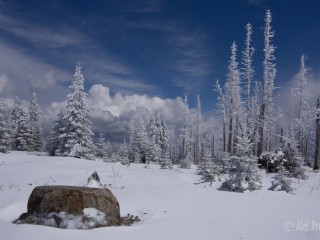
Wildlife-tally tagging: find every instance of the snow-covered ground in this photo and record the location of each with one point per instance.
(169, 204)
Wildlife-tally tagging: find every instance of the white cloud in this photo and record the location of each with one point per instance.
(22, 74)
(113, 114)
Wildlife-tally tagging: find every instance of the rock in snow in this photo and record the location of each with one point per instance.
(55, 202)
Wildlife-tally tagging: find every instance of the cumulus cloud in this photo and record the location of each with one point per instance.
(114, 114)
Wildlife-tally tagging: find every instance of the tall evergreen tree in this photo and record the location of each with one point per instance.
(304, 115)
(101, 149)
(269, 74)
(36, 141)
(78, 142)
(222, 108)
(198, 132)
(233, 98)
(22, 137)
(5, 132)
(248, 71)
(55, 145)
(20, 127)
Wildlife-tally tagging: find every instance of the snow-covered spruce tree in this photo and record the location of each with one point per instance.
(222, 109)
(269, 73)
(248, 72)
(77, 125)
(158, 138)
(233, 100)
(55, 145)
(197, 132)
(36, 141)
(304, 113)
(123, 153)
(209, 169)
(5, 132)
(15, 118)
(281, 181)
(288, 156)
(185, 135)
(165, 161)
(22, 137)
(255, 116)
(186, 162)
(317, 136)
(139, 142)
(101, 148)
(243, 175)
(20, 127)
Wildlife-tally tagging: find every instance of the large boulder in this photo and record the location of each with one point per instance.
(73, 200)
(52, 201)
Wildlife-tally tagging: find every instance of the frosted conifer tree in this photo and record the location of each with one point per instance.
(5, 133)
(269, 74)
(16, 115)
(248, 71)
(304, 114)
(36, 141)
(139, 142)
(22, 137)
(20, 127)
(233, 98)
(101, 149)
(186, 162)
(77, 125)
(55, 145)
(222, 109)
(243, 173)
(184, 130)
(123, 153)
(198, 132)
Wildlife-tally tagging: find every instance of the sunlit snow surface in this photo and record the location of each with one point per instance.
(169, 204)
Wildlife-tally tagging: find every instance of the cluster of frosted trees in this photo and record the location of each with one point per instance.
(20, 126)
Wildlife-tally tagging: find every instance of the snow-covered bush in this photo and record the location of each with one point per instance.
(209, 170)
(271, 161)
(186, 162)
(288, 157)
(165, 161)
(243, 175)
(281, 181)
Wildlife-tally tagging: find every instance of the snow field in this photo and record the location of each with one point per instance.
(169, 204)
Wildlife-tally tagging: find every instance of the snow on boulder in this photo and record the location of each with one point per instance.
(49, 205)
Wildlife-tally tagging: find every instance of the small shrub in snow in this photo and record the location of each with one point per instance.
(243, 175)
(165, 161)
(209, 170)
(186, 162)
(288, 157)
(281, 181)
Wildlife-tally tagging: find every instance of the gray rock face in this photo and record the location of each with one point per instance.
(72, 200)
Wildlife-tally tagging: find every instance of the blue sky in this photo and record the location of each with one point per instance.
(158, 48)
